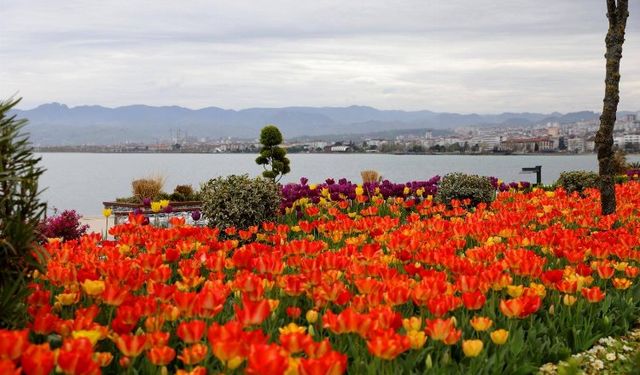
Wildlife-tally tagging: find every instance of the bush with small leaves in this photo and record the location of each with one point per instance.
(66, 225)
(462, 186)
(239, 201)
(578, 180)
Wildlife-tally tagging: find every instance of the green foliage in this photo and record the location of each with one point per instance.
(578, 180)
(462, 186)
(239, 201)
(20, 213)
(183, 193)
(272, 157)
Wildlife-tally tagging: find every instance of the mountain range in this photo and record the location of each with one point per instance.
(57, 124)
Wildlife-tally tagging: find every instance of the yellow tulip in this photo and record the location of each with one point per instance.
(416, 339)
(359, 190)
(413, 323)
(312, 316)
(92, 335)
(499, 336)
(67, 299)
(107, 212)
(472, 348)
(93, 287)
(156, 206)
(569, 300)
(515, 291)
(291, 328)
(234, 363)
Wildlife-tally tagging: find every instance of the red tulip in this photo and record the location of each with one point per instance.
(593, 294)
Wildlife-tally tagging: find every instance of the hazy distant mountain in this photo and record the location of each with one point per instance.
(57, 124)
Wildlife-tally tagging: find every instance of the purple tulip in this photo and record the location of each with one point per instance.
(146, 202)
(196, 215)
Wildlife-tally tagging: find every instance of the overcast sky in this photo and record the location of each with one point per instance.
(481, 56)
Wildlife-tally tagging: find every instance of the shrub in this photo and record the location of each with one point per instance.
(370, 177)
(66, 226)
(462, 186)
(20, 213)
(578, 180)
(183, 193)
(149, 187)
(239, 201)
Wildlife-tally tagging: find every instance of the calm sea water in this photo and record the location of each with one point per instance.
(83, 181)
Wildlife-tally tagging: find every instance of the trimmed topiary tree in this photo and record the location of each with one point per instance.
(239, 201)
(272, 157)
(462, 186)
(20, 213)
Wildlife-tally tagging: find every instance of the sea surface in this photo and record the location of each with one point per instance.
(82, 181)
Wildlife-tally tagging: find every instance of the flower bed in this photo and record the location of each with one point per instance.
(386, 286)
(343, 189)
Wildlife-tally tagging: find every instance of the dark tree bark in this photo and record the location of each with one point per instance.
(617, 13)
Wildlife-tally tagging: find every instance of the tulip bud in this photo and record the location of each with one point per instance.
(552, 310)
(446, 358)
(429, 362)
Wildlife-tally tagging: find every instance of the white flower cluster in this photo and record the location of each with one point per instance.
(607, 357)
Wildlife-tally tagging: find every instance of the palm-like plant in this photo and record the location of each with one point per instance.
(20, 213)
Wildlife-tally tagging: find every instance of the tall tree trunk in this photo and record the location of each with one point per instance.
(617, 13)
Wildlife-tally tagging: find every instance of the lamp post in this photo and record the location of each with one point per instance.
(538, 171)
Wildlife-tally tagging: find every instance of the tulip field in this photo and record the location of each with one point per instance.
(369, 285)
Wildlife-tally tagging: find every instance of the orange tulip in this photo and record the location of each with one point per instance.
(13, 343)
(267, 359)
(520, 307)
(387, 344)
(332, 363)
(37, 360)
(161, 355)
(438, 329)
(191, 332)
(131, 345)
(252, 313)
(193, 354)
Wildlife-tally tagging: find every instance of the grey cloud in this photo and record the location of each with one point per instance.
(497, 55)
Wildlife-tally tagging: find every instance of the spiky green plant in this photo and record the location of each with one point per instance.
(20, 212)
